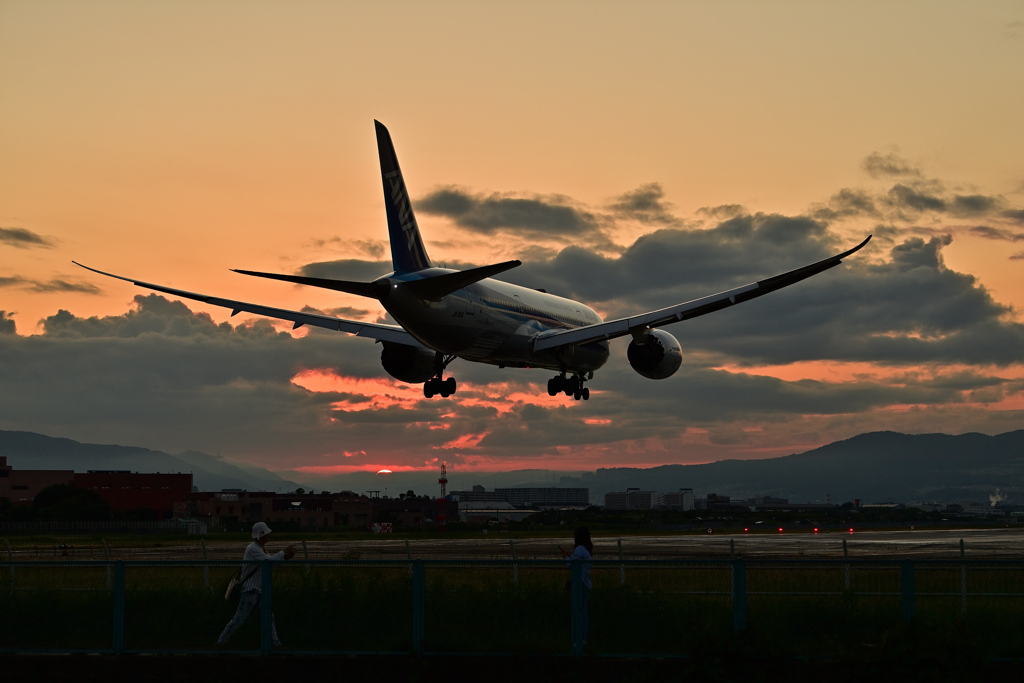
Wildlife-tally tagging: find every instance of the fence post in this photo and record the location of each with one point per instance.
(739, 595)
(106, 555)
(305, 553)
(963, 579)
(10, 558)
(846, 567)
(907, 581)
(206, 567)
(622, 566)
(576, 607)
(118, 606)
(266, 608)
(515, 565)
(419, 599)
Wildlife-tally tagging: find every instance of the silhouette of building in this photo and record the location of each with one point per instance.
(21, 486)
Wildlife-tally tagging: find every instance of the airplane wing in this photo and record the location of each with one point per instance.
(691, 309)
(388, 333)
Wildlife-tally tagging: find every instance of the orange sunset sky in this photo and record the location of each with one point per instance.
(633, 155)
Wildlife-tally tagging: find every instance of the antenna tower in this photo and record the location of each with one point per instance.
(442, 502)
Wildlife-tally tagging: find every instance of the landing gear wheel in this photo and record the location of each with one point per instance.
(429, 389)
(586, 393)
(553, 387)
(577, 395)
(571, 386)
(449, 385)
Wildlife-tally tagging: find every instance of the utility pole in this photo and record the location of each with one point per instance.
(442, 502)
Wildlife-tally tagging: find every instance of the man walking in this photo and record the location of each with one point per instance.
(252, 581)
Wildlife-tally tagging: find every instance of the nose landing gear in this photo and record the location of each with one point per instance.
(571, 386)
(439, 385)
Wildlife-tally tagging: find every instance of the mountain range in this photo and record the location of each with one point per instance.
(30, 451)
(874, 467)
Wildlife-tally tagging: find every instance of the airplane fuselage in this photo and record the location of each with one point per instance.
(493, 322)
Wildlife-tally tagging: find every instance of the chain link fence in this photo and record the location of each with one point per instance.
(474, 607)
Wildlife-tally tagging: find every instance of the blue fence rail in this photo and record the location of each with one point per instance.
(635, 607)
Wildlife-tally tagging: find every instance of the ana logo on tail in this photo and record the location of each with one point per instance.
(401, 202)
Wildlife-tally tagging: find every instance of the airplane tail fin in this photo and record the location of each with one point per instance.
(407, 251)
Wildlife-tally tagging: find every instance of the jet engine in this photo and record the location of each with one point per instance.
(412, 364)
(658, 356)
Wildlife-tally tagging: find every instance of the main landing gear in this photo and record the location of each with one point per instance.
(572, 386)
(437, 384)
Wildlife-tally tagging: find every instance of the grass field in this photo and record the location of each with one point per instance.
(798, 608)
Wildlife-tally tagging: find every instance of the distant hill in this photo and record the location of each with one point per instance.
(874, 467)
(30, 451)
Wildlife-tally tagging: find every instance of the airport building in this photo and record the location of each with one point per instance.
(538, 497)
(679, 500)
(125, 491)
(22, 486)
(633, 499)
(547, 497)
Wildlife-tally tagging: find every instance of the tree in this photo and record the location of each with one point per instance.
(67, 503)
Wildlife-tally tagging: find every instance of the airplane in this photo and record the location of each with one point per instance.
(444, 314)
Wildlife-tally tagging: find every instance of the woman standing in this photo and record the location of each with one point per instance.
(584, 551)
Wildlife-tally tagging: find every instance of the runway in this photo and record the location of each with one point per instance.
(1005, 543)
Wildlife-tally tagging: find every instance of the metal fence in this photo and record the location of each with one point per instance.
(635, 607)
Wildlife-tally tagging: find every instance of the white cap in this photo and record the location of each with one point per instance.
(259, 530)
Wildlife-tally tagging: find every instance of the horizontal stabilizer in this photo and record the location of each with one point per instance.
(434, 288)
(358, 288)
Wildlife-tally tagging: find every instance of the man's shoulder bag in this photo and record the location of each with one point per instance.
(236, 583)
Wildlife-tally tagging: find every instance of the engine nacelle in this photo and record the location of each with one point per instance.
(412, 364)
(658, 357)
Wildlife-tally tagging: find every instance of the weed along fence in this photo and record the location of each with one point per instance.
(635, 607)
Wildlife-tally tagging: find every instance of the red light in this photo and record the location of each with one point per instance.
(780, 528)
(746, 529)
(851, 531)
(815, 530)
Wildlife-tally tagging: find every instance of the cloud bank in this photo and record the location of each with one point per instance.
(892, 339)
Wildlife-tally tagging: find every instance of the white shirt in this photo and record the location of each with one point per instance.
(253, 576)
(581, 553)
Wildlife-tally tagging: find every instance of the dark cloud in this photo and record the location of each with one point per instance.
(347, 269)
(908, 308)
(373, 248)
(645, 204)
(23, 239)
(552, 216)
(1014, 214)
(845, 204)
(162, 375)
(721, 212)
(991, 233)
(889, 165)
(7, 325)
(1019, 256)
(905, 197)
(60, 285)
(974, 204)
(347, 312)
(688, 263)
(49, 286)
